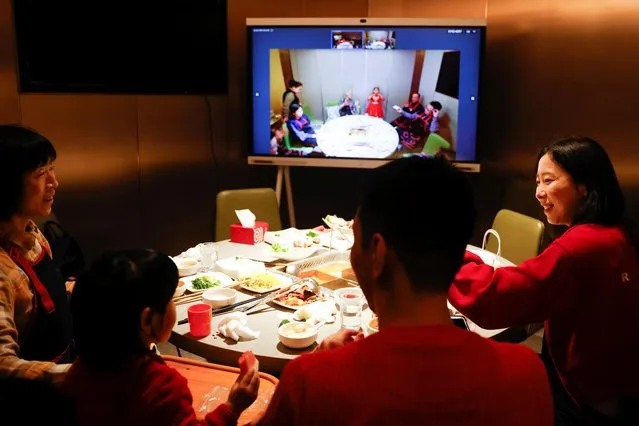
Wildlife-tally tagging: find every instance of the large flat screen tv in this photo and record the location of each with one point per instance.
(347, 92)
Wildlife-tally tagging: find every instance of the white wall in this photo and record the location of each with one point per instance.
(327, 74)
(427, 84)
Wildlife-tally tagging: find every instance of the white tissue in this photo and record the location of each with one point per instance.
(246, 218)
(316, 313)
(234, 327)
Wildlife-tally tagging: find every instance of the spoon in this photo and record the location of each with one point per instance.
(312, 284)
(292, 270)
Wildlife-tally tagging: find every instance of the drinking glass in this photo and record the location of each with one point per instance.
(351, 304)
(209, 252)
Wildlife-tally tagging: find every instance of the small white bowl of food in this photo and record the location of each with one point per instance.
(179, 290)
(219, 297)
(297, 335)
(371, 326)
(186, 266)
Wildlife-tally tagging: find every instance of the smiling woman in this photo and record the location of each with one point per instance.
(584, 287)
(33, 295)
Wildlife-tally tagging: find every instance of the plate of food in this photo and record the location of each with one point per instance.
(336, 223)
(298, 298)
(206, 280)
(265, 282)
(293, 244)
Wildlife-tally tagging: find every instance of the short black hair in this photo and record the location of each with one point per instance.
(294, 83)
(292, 109)
(424, 208)
(436, 104)
(587, 162)
(22, 150)
(110, 296)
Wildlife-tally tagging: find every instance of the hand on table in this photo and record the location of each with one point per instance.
(339, 339)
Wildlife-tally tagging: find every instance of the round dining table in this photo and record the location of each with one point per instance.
(272, 354)
(357, 136)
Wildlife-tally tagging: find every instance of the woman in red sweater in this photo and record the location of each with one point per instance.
(121, 306)
(584, 286)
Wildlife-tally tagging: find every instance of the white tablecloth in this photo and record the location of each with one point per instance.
(357, 136)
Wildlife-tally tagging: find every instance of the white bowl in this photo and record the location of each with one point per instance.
(186, 266)
(180, 289)
(305, 337)
(219, 297)
(371, 326)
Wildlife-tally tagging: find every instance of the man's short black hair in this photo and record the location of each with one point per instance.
(424, 209)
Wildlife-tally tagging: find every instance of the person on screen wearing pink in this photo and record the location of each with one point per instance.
(375, 107)
(300, 129)
(419, 369)
(121, 306)
(584, 286)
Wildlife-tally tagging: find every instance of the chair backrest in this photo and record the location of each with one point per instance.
(261, 201)
(433, 143)
(521, 236)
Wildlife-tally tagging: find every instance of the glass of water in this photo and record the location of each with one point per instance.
(209, 252)
(350, 304)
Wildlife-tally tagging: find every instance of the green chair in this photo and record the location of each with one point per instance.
(261, 201)
(434, 143)
(521, 236)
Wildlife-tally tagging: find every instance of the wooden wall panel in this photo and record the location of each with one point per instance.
(427, 9)
(97, 166)
(181, 140)
(341, 8)
(558, 68)
(9, 99)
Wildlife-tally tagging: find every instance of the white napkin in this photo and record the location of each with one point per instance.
(193, 252)
(234, 327)
(246, 217)
(316, 313)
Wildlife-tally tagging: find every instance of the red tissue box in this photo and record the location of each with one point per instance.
(254, 235)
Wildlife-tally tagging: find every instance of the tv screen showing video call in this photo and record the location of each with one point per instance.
(365, 92)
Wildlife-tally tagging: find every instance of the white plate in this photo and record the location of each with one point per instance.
(286, 238)
(224, 279)
(293, 308)
(284, 281)
(328, 294)
(298, 253)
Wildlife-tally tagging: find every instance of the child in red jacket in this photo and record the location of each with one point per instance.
(120, 307)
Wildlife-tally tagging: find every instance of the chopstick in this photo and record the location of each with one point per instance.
(228, 308)
(265, 298)
(187, 298)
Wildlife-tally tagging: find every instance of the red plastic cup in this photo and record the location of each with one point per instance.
(200, 316)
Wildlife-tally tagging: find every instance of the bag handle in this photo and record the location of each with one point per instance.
(496, 235)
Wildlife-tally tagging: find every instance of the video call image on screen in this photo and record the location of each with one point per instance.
(365, 95)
